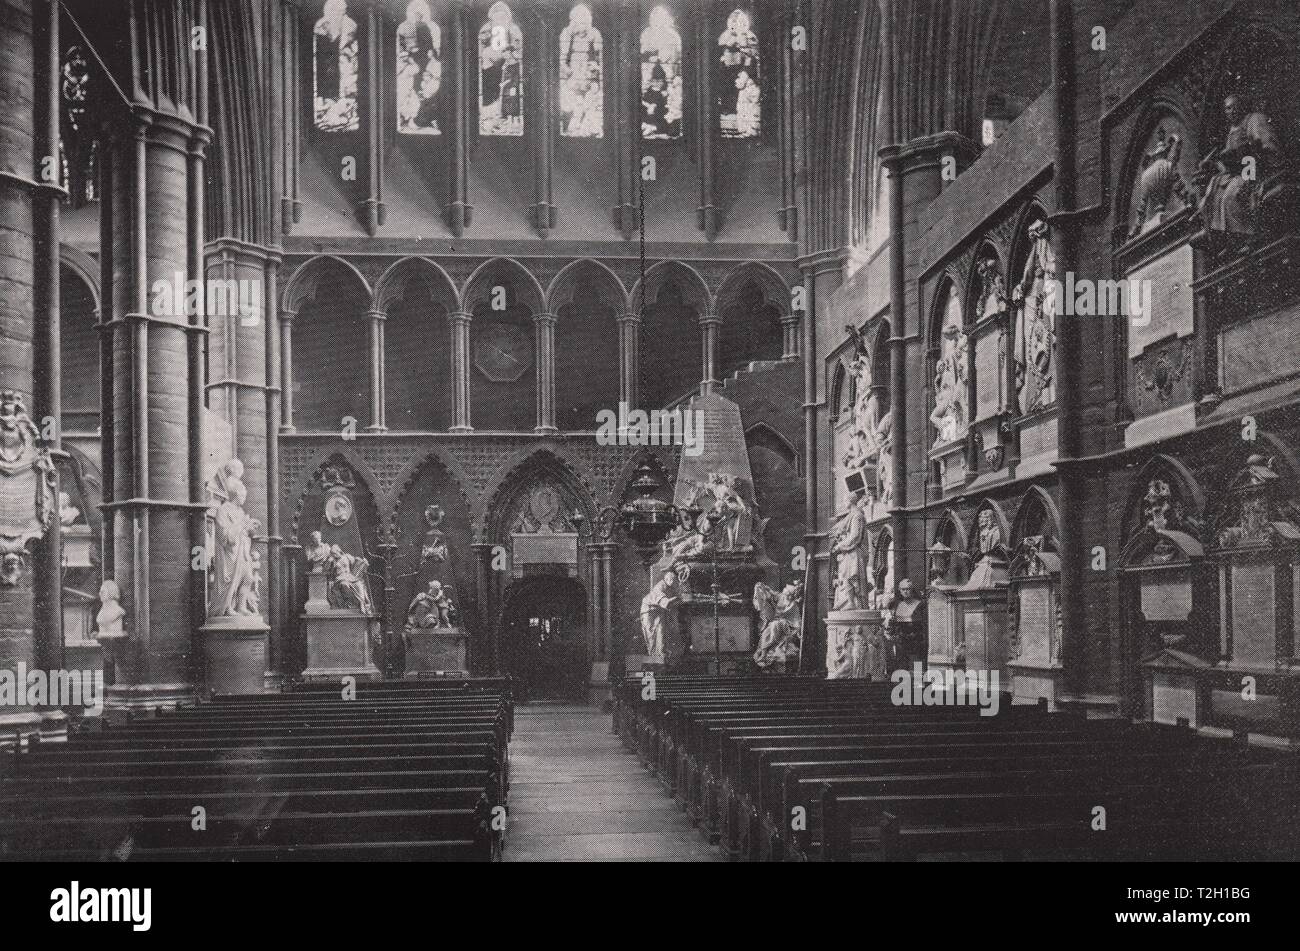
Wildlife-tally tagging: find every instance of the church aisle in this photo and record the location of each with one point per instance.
(576, 795)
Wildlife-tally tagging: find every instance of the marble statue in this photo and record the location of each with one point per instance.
(348, 587)
(1035, 329)
(781, 617)
(68, 512)
(28, 504)
(729, 509)
(234, 590)
(949, 414)
(1230, 199)
(849, 544)
(885, 459)
(429, 610)
(109, 620)
(1159, 182)
(318, 554)
(655, 613)
(990, 535)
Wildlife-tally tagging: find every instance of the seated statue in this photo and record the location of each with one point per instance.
(1231, 199)
(348, 587)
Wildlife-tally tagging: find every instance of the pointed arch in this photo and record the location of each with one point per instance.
(774, 289)
(520, 285)
(396, 281)
(304, 283)
(311, 475)
(1164, 480)
(999, 520)
(604, 281)
(501, 494)
(695, 290)
(1036, 515)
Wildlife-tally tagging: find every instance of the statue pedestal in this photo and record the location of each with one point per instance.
(339, 645)
(855, 646)
(235, 654)
(436, 651)
(317, 592)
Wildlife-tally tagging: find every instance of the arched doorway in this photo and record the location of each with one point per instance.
(544, 638)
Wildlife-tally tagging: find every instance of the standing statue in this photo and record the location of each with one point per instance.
(781, 616)
(1035, 332)
(655, 613)
(1231, 199)
(234, 590)
(885, 459)
(949, 415)
(990, 535)
(848, 544)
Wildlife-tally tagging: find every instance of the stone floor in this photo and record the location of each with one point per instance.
(576, 796)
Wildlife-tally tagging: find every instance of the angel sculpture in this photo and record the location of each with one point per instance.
(781, 616)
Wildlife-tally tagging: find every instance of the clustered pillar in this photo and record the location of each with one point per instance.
(460, 323)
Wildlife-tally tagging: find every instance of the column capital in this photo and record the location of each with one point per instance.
(286, 316)
(632, 319)
(377, 314)
(461, 317)
(710, 320)
(544, 318)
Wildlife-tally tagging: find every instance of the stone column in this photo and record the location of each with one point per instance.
(916, 177)
(790, 338)
(460, 323)
(480, 656)
(595, 602)
(29, 604)
(709, 324)
(607, 597)
(629, 364)
(286, 371)
(376, 318)
(150, 341)
(544, 336)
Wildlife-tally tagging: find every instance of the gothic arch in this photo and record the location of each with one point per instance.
(1189, 498)
(1036, 502)
(302, 285)
(1018, 249)
(775, 291)
(312, 471)
(526, 289)
(514, 474)
(1169, 102)
(85, 267)
(394, 282)
(986, 248)
(949, 284)
(840, 390)
(694, 289)
(761, 434)
(432, 456)
(999, 519)
(606, 282)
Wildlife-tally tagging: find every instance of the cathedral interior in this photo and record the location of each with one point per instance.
(553, 343)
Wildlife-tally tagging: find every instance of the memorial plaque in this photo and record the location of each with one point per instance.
(733, 633)
(988, 375)
(1173, 697)
(938, 621)
(975, 634)
(1259, 349)
(560, 548)
(1254, 623)
(1166, 600)
(1171, 300)
(1037, 620)
(719, 446)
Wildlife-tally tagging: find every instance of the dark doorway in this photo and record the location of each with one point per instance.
(544, 638)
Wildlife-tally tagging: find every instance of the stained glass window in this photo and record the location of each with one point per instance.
(419, 71)
(335, 66)
(740, 96)
(661, 77)
(500, 74)
(582, 88)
